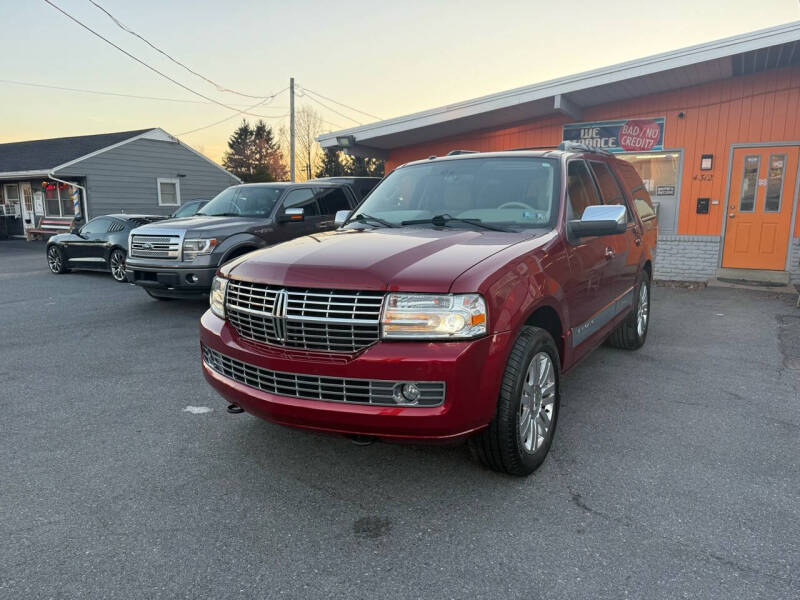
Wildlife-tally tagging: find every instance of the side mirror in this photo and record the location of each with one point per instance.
(341, 217)
(604, 219)
(291, 215)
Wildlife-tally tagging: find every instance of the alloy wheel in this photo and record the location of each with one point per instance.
(54, 259)
(117, 261)
(643, 311)
(537, 404)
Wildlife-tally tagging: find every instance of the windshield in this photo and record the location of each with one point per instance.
(244, 201)
(187, 210)
(515, 191)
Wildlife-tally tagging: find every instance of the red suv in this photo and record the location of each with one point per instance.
(446, 306)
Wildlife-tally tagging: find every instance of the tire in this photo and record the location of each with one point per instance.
(56, 260)
(116, 265)
(631, 334)
(157, 296)
(504, 446)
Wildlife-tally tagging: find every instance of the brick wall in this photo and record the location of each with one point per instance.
(687, 257)
(794, 261)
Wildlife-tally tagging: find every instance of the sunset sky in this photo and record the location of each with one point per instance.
(387, 59)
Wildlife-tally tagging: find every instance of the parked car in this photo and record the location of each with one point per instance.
(188, 209)
(448, 306)
(362, 186)
(178, 258)
(99, 244)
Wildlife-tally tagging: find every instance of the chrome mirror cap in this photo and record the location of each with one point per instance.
(597, 220)
(341, 217)
(605, 212)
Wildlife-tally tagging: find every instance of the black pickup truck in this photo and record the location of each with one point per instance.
(177, 258)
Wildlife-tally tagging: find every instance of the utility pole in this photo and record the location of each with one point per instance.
(291, 126)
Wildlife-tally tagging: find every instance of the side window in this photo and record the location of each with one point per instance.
(302, 198)
(643, 204)
(641, 198)
(331, 200)
(580, 188)
(629, 175)
(609, 187)
(95, 226)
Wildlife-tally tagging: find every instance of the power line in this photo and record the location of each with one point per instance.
(305, 89)
(333, 124)
(329, 108)
(215, 123)
(117, 94)
(219, 87)
(141, 62)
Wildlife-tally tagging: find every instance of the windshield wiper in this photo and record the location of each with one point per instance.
(218, 214)
(443, 220)
(365, 218)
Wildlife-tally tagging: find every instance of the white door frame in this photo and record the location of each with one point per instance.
(23, 209)
(793, 218)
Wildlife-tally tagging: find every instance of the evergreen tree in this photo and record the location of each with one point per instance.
(268, 164)
(238, 158)
(330, 164)
(254, 154)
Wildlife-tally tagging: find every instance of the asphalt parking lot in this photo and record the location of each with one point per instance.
(674, 474)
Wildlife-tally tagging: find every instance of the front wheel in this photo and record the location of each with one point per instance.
(632, 332)
(519, 437)
(116, 264)
(56, 260)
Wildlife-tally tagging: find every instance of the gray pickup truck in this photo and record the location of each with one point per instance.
(177, 258)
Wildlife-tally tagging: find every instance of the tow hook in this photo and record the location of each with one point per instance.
(235, 409)
(362, 440)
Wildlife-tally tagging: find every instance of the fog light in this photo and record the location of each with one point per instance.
(406, 393)
(192, 278)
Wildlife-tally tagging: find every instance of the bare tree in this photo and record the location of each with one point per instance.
(308, 125)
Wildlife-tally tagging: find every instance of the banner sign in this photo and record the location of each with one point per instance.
(38, 203)
(631, 135)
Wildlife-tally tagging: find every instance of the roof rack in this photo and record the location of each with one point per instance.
(550, 147)
(457, 152)
(581, 147)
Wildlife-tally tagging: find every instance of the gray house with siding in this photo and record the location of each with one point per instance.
(147, 171)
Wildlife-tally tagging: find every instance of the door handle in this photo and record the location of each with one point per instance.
(609, 253)
(637, 241)
(731, 215)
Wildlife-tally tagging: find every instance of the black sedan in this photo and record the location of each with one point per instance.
(100, 244)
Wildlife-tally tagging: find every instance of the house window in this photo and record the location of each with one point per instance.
(58, 199)
(169, 192)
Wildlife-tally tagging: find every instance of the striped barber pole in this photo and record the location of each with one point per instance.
(76, 201)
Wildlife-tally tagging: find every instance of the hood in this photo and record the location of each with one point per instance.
(204, 226)
(414, 260)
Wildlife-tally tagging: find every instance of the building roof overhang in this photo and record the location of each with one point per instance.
(721, 59)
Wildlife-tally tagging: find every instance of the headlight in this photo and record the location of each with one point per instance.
(193, 248)
(429, 316)
(216, 298)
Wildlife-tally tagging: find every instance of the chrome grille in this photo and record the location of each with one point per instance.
(311, 319)
(156, 246)
(313, 387)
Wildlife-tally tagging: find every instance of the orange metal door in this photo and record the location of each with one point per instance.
(760, 201)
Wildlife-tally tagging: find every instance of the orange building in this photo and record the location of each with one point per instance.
(714, 131)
